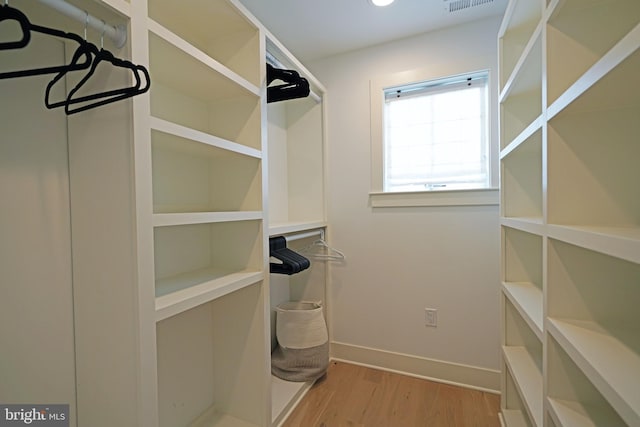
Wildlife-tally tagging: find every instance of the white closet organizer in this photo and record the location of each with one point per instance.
(570, 212)
(296, 166)
(206, 149)
(165, 276)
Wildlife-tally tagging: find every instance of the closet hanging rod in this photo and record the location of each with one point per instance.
(117, 34)
(273, 61)
(300, 236)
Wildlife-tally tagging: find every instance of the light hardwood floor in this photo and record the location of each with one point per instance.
(356, 396)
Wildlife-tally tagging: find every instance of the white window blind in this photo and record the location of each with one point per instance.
(436, 135)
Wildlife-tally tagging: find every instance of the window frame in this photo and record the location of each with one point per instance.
(447, 197)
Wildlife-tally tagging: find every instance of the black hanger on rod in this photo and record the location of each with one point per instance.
(9, 13)
(294, 86)
(107, 97)
(292, 262)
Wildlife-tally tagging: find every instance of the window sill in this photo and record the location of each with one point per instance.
(475, 197)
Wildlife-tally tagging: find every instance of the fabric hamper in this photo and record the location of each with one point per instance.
(302, 353)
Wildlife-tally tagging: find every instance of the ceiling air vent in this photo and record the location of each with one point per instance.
(457, 5)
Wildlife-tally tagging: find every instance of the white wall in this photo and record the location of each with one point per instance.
(401, 260)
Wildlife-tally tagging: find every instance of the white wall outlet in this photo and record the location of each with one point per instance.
(431, 317)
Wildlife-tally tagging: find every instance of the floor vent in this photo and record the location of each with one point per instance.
(458, 5)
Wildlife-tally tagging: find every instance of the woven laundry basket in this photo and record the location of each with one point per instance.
(302, 353)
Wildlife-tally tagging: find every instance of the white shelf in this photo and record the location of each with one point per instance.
(199, 76)
(619, 242)
(527, 298)
(528, 380)
(295, 227)
(611, 365)
(284, 396)
(200, 56)
(570, 35)
(185, 291)
(202, 137)
(221, 29)
(213, 418)
(533, 225)
(573, 414)
(171, 219)
(514, 418)
(120, 6)
(520, 22)
(522, 79)
(626, 49)
(522, 179)
(522, 137)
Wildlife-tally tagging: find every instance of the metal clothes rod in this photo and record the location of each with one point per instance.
(301, 236)
(117, 34)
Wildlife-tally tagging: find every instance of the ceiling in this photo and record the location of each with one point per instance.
(316, 29)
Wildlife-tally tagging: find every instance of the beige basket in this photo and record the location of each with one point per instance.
(302, 353)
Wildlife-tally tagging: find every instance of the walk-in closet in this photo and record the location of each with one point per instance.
(180, 179)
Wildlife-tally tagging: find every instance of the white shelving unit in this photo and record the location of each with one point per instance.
(570, 212)
(296, 171)
(205, 151)
(139, 230)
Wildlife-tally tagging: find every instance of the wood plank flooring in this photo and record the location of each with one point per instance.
(356, 396)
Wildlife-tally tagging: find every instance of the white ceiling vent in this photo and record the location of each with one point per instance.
(458, 5)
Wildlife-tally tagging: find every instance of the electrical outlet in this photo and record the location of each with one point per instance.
(430, 317)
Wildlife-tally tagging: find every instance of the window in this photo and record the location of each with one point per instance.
(436, 135)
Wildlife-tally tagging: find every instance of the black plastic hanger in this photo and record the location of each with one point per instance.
(107, 97)
(294, 86)
(112, 95)
(292, 262)
(9, 13)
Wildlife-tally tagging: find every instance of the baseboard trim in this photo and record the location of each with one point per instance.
(435, 370)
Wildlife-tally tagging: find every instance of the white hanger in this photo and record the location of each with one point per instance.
(327, 253)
